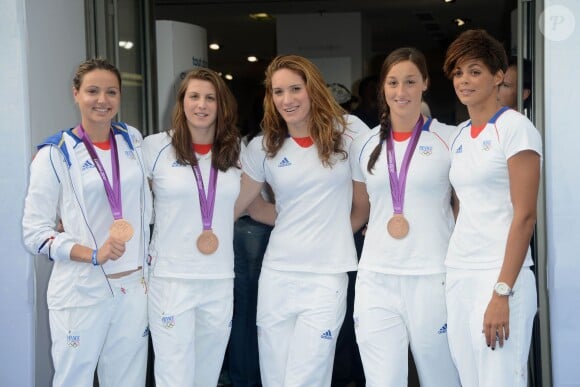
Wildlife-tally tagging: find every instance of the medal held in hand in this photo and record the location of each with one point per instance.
(207, 242)
(398, 226)
(121, 228)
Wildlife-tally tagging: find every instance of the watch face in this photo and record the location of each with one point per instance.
(502, 289)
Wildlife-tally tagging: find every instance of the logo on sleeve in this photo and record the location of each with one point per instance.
(460, 149)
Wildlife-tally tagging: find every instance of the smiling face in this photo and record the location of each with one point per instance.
(98, 98)
(475, 85)
(403, 89)
(292, 101)
(200, 108)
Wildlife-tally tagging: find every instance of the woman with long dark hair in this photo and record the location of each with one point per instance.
(401, 187)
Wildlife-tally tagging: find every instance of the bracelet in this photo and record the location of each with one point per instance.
(94, 258)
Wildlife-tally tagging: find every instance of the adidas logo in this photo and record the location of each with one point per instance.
(87, 165)
(326, 335)
(443, 329)
(145, 332)
(460, 149)
(130, 155)
(284, 163)
(177, 164)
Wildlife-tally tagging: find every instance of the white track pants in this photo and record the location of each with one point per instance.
(468, 294)
(299, 317)
(190, 321)
(395, 311)
(112, 333)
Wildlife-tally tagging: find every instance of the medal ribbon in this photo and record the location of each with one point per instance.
(206, 202)
(114, 191)
(398, 181)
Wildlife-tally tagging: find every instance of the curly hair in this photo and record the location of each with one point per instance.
(94, 64)
(475, 44)
(397, 56)
(226, 144)
(326, 119)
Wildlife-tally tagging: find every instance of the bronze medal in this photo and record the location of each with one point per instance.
(121, 229)
(398, 226)
(207, 242)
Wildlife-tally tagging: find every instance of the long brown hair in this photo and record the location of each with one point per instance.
(326, 121)
(226, 144)
(397, 56)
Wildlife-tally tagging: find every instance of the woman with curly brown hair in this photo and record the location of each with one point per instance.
(194, 175)
(495, 171)
(303, 155)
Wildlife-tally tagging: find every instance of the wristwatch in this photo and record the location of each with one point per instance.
(502, 289)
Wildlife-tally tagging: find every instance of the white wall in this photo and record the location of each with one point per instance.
(37, 60)
(180, 48)
(331, 40)
(562, 60)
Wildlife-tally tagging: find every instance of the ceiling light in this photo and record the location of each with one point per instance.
(229, 77)
(214, 46)
(261, 16)
(126, 44)
(252, 58)
(449, 1)
(460, 22)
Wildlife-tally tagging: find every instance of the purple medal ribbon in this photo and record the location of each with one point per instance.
(399, 181)
(206, 202)
(114, 191)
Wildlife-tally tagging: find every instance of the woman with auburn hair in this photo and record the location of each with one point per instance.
(495, 171)
(303, 155)
(401, 187)
(194, 175)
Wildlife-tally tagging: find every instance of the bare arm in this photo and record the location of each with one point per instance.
(262, 211)
(359, 214)
(111, 249)
(524, 177)
(249, 191)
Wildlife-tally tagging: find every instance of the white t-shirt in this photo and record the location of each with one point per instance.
(178, 221)
(99, 213)
(427, 205)
(312, 231)
(479, 175)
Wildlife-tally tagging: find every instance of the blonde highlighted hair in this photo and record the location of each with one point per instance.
(326, 119)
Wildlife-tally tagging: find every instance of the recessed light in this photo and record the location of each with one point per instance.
(126, 44)
(214, 46)
(460, 22)
(252, 58)
(449, 1)
(261, 16)
(229, 77)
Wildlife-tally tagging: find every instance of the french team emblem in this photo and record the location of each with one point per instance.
(168, 321)
(486, 145)
(73, 341)
(425, 150)
(129, 154)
